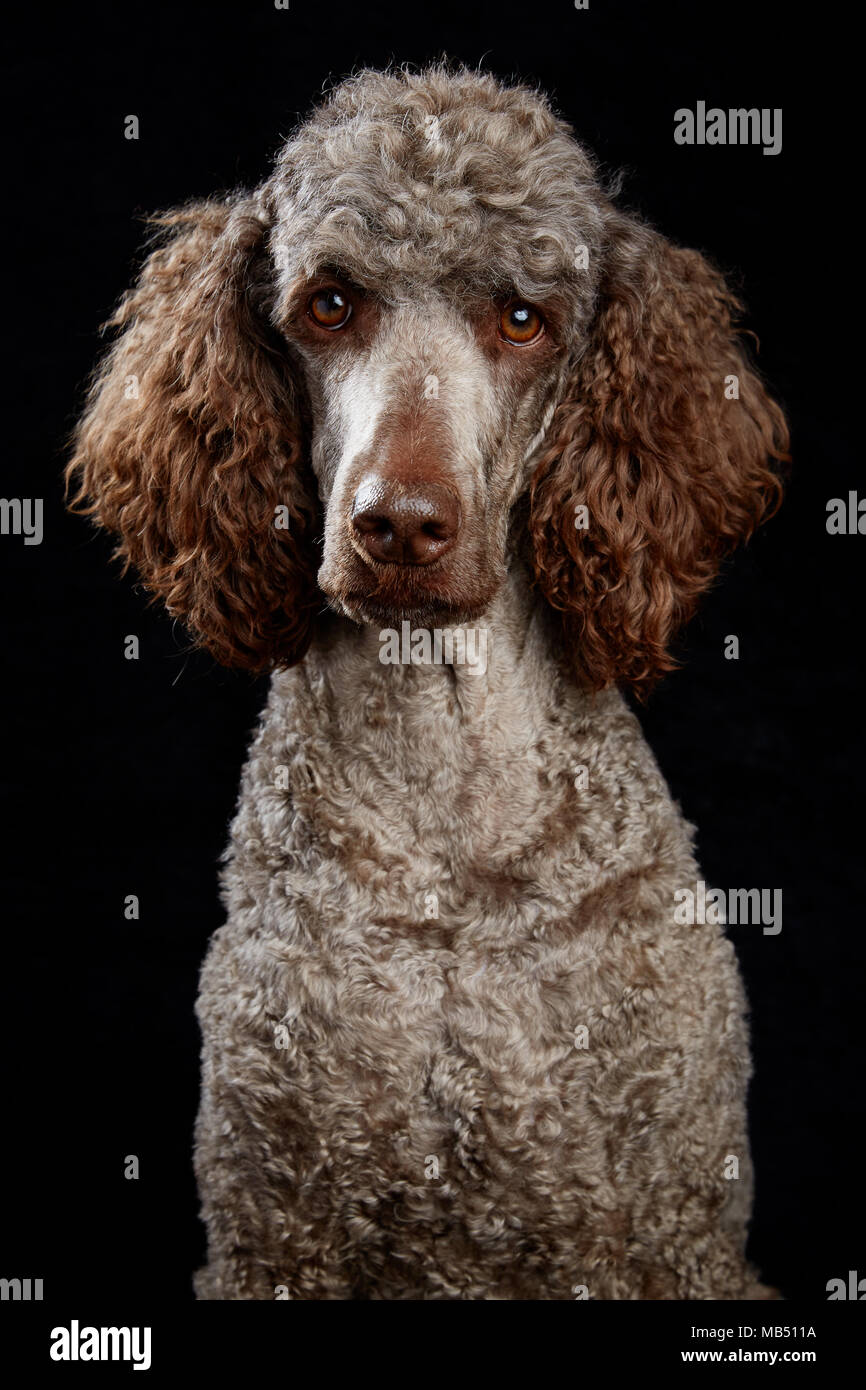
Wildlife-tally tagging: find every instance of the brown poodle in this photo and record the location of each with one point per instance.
(429, 427)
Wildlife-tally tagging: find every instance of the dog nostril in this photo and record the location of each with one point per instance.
(370, 525)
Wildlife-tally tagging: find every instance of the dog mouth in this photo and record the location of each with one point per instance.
(371, 610)
(424, 598)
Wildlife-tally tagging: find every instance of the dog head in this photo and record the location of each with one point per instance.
(428, 342)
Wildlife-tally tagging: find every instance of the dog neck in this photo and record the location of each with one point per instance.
(493, 679)
(396, 745)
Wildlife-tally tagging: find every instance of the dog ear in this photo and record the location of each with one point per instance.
(190, 448)
(661, 459)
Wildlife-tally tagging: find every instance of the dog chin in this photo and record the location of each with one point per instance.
(426, 597)
(374, 610)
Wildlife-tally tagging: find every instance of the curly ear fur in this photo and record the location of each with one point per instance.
(671, 472)
(189, 474)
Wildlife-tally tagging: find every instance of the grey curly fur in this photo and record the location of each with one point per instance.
(394, 1104)
(455, 1038)
(496, 193)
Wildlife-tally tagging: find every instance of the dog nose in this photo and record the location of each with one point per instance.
(405, 523)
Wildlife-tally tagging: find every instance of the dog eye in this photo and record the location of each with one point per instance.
(330, 308)
(520, 322)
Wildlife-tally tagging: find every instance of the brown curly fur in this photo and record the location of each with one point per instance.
(353, 1040)
(189, 474)
(644, 437)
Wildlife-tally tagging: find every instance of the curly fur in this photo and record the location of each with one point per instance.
(645, 439)
(190, 444)
(393, 1105)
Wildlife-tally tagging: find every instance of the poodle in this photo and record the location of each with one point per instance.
(429, 383)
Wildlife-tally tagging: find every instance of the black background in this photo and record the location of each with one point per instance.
(122, 775)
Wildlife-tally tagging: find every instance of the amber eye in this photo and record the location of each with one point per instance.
(520, 322)
(330, 308)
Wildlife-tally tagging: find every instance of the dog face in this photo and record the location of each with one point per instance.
(432, 302)
(427, 344)
(425, 412)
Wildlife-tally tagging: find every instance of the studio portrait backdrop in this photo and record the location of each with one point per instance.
(123, 756)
